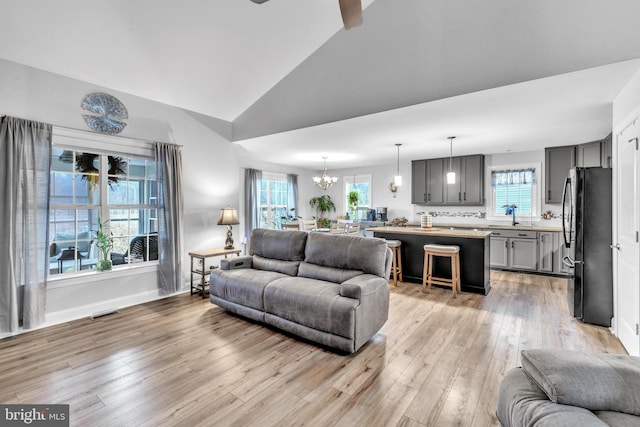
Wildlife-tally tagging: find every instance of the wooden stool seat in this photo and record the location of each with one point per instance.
(450, 251)
(396, 265)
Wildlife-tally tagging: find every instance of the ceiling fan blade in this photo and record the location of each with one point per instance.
(351, 11)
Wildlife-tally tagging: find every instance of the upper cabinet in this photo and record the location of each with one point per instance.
(557, 161)
(590, 155)
(429, 181)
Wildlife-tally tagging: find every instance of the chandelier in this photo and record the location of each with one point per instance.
(325, 181)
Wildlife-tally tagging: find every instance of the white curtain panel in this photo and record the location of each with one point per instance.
(170, 217)
(25, 156)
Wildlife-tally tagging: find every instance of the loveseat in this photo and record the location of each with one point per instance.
(330, 289)
(556, 388)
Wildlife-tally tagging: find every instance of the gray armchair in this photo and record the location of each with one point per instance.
(558, 388)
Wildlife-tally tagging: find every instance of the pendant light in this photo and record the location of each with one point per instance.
(397, 180)
(325, 181)
(451, 175)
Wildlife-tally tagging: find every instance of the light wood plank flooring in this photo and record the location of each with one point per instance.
(182, 361)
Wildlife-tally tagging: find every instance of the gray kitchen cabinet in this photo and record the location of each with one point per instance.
(524, 254)
(514, 250)
(435, 179)
(589, 155)
(499, 252)
(453, 193)
(558, 161)
(546, 245)
(429, 181)
(560, 251)
(606, 148)
(472, 180)
(418, 181)
(426, 182)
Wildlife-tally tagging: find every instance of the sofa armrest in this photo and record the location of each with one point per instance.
(363, 285)
(373, 311)
(235, 263)
(598, 382)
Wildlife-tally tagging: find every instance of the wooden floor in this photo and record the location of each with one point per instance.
(182, 361)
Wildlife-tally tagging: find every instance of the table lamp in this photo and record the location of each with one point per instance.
(228, 217)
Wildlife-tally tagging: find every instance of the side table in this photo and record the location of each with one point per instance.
(200, 270)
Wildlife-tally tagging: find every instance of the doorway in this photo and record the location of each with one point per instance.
(626, 252)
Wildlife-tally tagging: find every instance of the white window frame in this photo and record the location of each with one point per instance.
(77, 140)
(535, 194)
(351, 179)
(272, 176)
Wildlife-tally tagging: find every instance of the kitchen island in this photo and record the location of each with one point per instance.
(474, 254)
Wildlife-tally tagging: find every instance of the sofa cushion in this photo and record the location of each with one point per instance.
(285, 267)
(330, 274)
(347, 252)
(313, 303)
(278, 244)
(244, 286)
(598, 382)
(618, 419)
(521, 403)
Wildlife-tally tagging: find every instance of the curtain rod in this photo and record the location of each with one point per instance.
(118, 136)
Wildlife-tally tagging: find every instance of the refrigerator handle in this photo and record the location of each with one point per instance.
(567, 221)
(569, 262)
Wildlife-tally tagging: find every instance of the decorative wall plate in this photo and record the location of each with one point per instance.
(109, 113)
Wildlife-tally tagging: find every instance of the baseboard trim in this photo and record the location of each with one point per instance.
(62, 316)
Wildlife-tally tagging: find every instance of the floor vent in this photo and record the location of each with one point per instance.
(104, 313)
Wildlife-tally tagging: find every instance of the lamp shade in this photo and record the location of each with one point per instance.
(451, 177)
(228, 216)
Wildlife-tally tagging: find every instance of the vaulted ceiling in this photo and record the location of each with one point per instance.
(499, 74)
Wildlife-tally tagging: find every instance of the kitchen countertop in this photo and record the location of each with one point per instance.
(543, 228)
(434, 231)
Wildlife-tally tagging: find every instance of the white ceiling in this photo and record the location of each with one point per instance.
(499, 74)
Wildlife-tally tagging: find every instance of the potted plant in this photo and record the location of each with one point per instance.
(352, 199)
(323, 204)
(105, 244)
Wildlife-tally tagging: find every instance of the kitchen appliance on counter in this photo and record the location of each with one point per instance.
(586, 226)
(371, 214)
(381, 214)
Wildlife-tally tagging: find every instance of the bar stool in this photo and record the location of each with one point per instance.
(453, 252)
(396, 265)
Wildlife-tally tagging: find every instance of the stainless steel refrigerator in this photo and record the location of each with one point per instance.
(587, 217)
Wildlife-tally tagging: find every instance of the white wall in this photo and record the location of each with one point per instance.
(210, 175)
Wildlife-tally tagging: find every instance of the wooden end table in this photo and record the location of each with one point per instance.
(200, 270)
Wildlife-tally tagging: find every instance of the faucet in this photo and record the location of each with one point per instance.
(511, 210)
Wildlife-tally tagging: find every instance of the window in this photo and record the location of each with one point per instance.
(514, 187)
(361, 184)
(81, 195)
(273, 200)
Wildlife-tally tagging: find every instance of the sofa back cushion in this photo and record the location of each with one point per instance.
(284, 267)
(330, 274)
(278, 244)
(366, 254)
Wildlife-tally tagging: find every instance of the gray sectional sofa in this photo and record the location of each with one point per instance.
(557, 388)
(330, 289)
